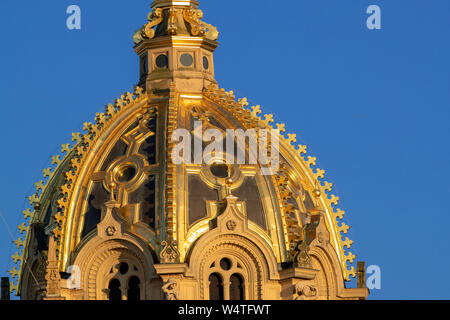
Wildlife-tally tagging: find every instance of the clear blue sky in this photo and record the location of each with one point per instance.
(373, 106)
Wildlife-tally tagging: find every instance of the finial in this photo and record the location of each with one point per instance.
(228, 184)
(317, 193)
(112, 185)
(228, 181)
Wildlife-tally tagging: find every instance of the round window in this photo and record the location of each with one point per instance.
(162, 61)
(225, 264)
(220, 170)
(186, 60)
(123, 268)
(126, 174)
(205, 63)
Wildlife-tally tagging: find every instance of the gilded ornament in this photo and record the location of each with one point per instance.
(339, 214)
(302, 257)
(110, 231)
(347, 243)
(170, 253)
(172, 27)
(193, 16)
(19, 243)
(28, 213)
(231, 225)
(147, 32)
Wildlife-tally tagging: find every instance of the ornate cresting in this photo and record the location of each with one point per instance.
(71, 162)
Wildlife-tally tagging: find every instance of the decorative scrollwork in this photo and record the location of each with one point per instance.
(147, 32)
(154, 18)
(193, 16)
(302, 257)
(198, 27)
(170, 252)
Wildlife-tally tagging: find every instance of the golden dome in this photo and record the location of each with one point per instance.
(115, 191)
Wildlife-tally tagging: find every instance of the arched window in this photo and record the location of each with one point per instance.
(215, 287)
(134, 291)
(227, 279)
(236, 287)
(115, 293)
(125, 282)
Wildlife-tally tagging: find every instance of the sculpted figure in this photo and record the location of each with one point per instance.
(305, 291)
(170, 289)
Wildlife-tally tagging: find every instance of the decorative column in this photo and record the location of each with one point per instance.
(171, 271)
(53, 276)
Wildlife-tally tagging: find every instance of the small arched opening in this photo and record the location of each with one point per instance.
(215, 287)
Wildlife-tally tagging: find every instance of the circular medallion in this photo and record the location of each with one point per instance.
(110, 231)
(205, 63)
(231, 225)
(162, 61)
(186, 60)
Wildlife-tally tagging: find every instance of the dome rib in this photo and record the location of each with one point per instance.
(71, 162)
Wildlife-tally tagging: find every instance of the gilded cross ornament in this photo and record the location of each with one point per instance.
(56, 160)
(302, 149)
(347, 243)
(14, 272)
(339, 214)
(327, 185)
(19, 243)
(65, 148)
(256, 111)
(22, 228)
(28, 213)
(47, 172)
(311, 161)
(16, 257)
(292, 138)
